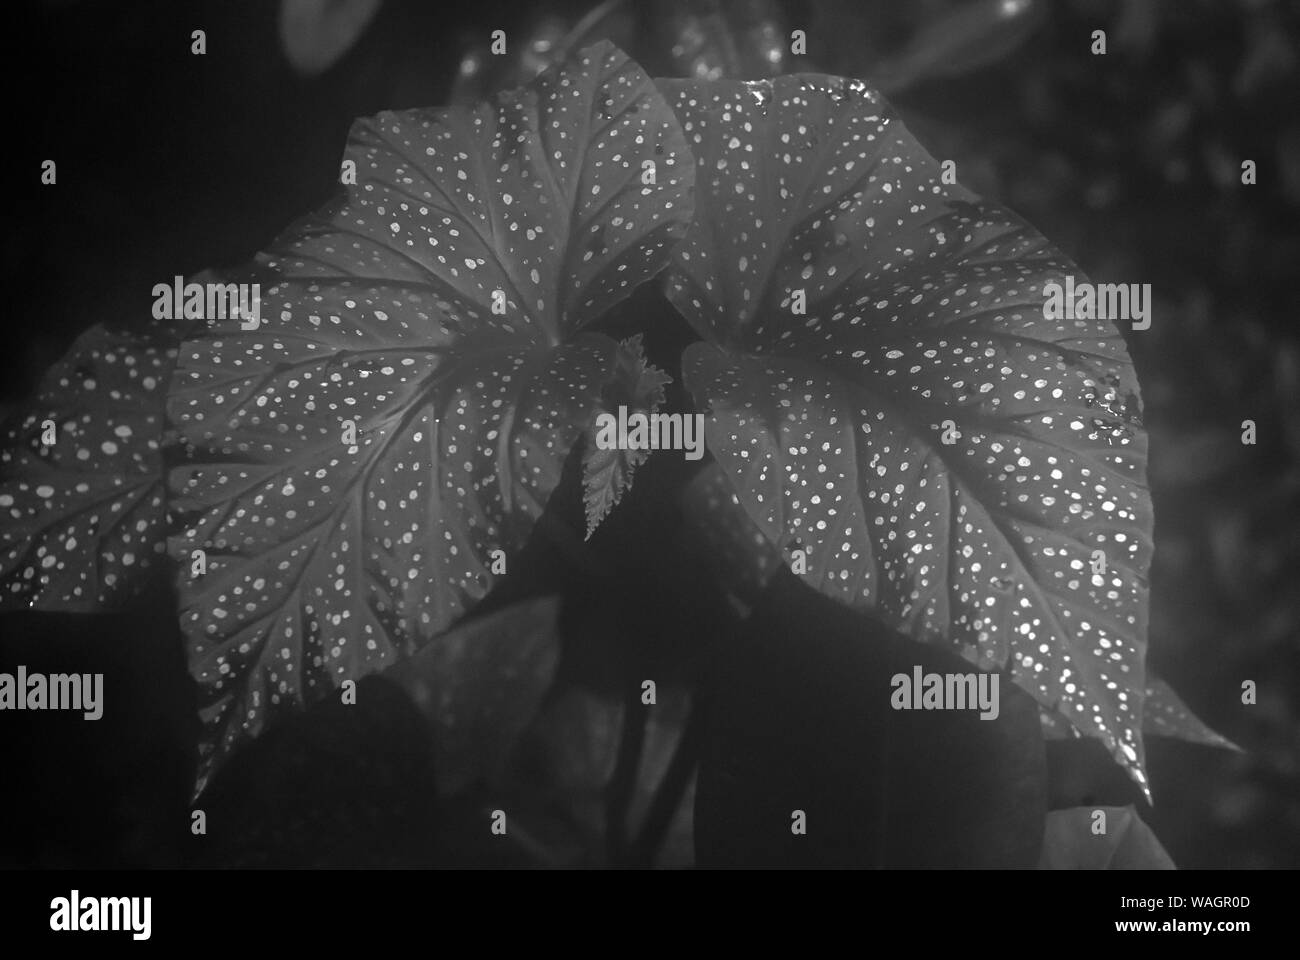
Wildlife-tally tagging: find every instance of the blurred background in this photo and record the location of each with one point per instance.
(1130, 162)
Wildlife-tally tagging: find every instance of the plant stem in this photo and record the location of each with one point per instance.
(671, 789)
(622, 785)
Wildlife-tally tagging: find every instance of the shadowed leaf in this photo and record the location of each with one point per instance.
(972, 35)
(736, 39)
(316, 33)
(480, 684)
(547, 40)
(800, 718)
(1127, 844)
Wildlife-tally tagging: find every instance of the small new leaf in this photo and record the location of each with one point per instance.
(638, 386)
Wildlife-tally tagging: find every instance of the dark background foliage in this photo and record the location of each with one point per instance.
(169, 163)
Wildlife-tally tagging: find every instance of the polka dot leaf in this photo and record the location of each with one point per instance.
(84, 516)
(1164, 714)
(884, 391)
(421, 371)
(739, 555)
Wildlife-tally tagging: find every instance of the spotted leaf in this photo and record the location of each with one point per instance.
(637, 385)
(420, 373)
(739, 555)
(1164, 714)
(885, 392)
(84, 517)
